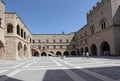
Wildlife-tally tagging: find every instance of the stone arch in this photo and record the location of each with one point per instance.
(9, 28)
(66, 53)
(93, 49)
(25, 50)
(86, 49)
(43, 54)
(20, 49)
(73, 53)
(105, 48)
(18, 29)
(2, 50)
(35, 53)
(58, 53)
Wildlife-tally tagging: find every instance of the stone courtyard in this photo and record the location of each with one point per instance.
(101, 68)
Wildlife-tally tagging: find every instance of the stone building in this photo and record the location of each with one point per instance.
(53, 44)
(14, 36)
(100, 36)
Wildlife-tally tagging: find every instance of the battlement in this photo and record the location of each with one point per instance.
(95, 7)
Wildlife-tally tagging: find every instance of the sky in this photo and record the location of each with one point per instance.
(51, 16)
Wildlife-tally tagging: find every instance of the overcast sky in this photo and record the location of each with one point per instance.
(51, 16)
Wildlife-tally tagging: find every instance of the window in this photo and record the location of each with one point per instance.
(54, 41)
(24, 35)
(103, 25)
(33, 41)
(67, 40)
(54, 47)
(43, 48)
(61, 46)
(30, 40)
(9, 28)
(60, 40)
(73, 46)
(39, 41)
(39, 47)
(21, 32)
(0, 22)
(85, 33)
(47, 47)
(47, 41)
(18, 29)
(86, 41)
(92, 29)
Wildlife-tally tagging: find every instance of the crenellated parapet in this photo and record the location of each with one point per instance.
(95, 7)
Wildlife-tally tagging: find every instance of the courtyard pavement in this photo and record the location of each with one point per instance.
(57, 69)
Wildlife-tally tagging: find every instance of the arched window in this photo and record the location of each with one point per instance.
(24, 35)
(21, 32)
(9, 28)
(92, 29)
(103, 25)
(18, 29)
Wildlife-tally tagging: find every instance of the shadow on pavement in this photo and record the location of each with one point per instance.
(60, 75)
(106, 57)
(6, 78)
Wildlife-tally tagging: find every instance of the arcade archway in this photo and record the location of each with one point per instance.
(25, 50)
(93, 49)
(43, 54)
(1, 48)
(58, 53)
(73, 53)
(105, 48)
(66, 53)
(35, 53)
(20, 50)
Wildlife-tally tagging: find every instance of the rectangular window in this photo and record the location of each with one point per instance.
(39, 47)
(39, 41)
(60, 40)
(33, 41)
(47, 47)
(54, 41)
(61, 46)
(47, 41)
(54, 47)
(67, 41)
